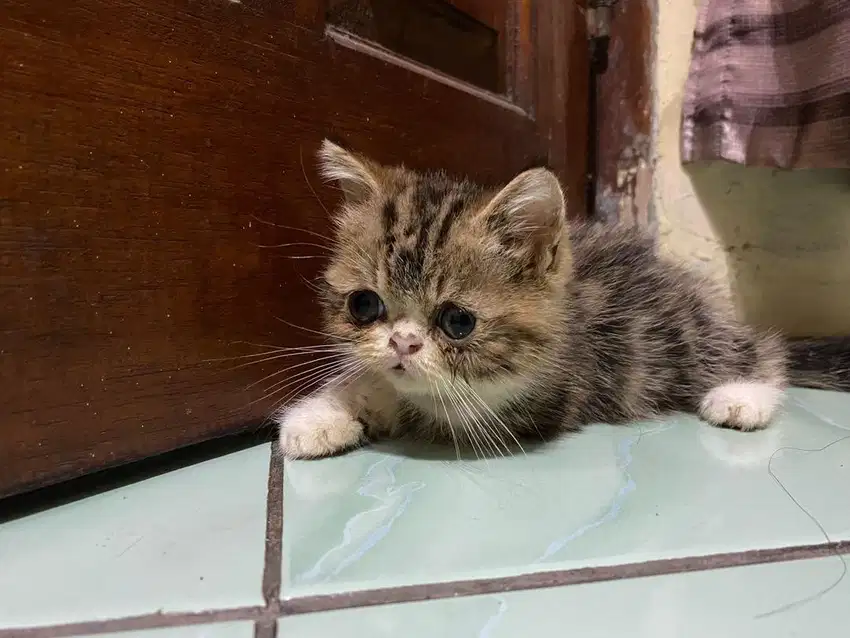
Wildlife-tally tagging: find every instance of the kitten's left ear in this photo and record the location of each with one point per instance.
(356, 175)
(530, 208)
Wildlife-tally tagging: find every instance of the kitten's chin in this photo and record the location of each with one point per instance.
(407, 381)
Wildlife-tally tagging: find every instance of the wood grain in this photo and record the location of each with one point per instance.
(624, 116)
(432, 32)
(147, 150)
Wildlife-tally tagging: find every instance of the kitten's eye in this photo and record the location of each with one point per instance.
(456, 322)
(366, 306)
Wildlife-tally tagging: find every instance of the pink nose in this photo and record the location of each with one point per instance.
(405, 344)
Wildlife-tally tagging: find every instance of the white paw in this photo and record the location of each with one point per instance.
(745, 405)
(317, 426)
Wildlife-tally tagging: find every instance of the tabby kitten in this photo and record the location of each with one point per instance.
(481, 317)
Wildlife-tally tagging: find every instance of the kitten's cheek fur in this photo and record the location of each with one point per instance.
(318, 426)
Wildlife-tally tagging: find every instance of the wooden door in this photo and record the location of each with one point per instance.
(151, 152)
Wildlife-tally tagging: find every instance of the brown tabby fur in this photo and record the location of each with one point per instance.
(575, 323)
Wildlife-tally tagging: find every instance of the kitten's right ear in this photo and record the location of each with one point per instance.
(355, 175)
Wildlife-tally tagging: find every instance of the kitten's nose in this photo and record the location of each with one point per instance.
(405, 344)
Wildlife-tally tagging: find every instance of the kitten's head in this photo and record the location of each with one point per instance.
(433, 278)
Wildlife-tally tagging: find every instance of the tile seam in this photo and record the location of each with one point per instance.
(266, 615)
(555, 578)
(265, 628)
(140, 622)
(272, 555)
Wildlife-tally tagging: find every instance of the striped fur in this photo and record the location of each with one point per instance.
(575, 324)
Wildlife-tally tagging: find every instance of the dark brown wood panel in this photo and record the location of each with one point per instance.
(560, 50)
(432, 32)
(623, 113)
(150, 152)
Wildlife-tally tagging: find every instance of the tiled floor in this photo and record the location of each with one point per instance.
(663, 529)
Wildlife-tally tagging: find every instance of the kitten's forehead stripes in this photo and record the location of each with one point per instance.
(454, 210)
(424, 210)
(425, 214)
(389, 217)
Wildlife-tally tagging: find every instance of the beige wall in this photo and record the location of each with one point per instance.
(779, 240)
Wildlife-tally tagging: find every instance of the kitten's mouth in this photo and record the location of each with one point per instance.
(398, 367)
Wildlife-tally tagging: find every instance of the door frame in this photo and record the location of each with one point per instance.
(621, 108)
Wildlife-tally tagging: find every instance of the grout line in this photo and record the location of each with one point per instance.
(265, 628)
(560, 578)
(274, 535)
(265, 617)
(145, 621)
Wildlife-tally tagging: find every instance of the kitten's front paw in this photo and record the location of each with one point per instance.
(317, 426)
(743, 405)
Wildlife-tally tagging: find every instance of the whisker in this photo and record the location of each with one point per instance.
(305, 256)
(307, 180)
(349, 377)
(481, 425)
(294, 243)
(274, 347)
(477, 444)
(295, 228)
(295, 366)
(317, 332)
(283, 355)
(241, 356)
(465, 426)
(327, 378)
(325, 371)
(495, 417)
(301, 380)
(280, 352)
(312, 286)
(435, 386)
(318, 370)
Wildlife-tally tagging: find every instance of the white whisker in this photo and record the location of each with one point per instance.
(304, 378)
(295, 228)
(285, 355)
(305, 375)
(486, 425)
(476, 421)
(310, 330)
(495, 417)
(435, 386)
(294, 367)
(472, 435)
(279, 350)
(294, 243)
(350, 372)
(349, 376)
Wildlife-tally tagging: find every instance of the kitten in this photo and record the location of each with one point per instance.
(481, 317)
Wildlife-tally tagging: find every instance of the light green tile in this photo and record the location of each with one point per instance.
(764, 601)
(673, 488)
(220, 630)
(188, 540)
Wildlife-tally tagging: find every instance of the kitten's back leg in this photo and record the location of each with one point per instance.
(750, 402)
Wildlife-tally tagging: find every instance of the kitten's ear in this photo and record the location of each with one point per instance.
(355, 175)
(530, 208)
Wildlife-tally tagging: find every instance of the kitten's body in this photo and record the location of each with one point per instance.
(572, 326)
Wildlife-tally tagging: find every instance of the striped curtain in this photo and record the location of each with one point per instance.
(769, 84)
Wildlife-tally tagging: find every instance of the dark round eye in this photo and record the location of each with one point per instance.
(456, 322)
(365, 306)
